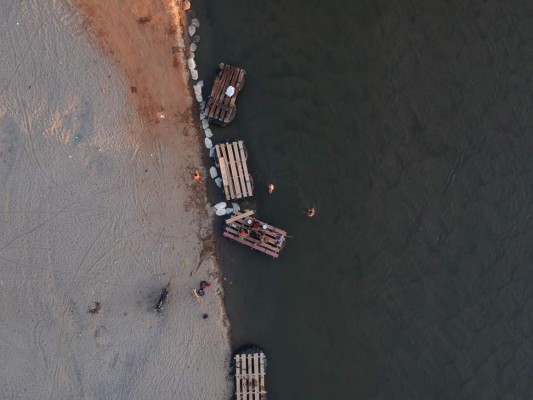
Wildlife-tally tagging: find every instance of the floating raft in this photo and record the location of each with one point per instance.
(265, 240)
(236, 180)
(221, 108)
(250, 376)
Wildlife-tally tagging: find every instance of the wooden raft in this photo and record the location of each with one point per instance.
(250, 376)
(260, 239)
(236, 180)
(221, 109)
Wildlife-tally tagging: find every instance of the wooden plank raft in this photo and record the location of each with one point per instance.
(236, 181)
(221, 108)
(258, 235)
(250, 376)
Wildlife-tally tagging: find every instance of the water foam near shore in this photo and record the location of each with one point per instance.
(98, 204)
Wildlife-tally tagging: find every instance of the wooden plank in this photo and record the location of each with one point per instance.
(256, 376)
(249, 359)
(238, 375)
(245, 168)
(230, 180)
(239, 216)
(239, 167)
(227, 74)
(217, 87)
(223, 171)
(245, 377)
(224, 174)
(262, 375)
(234, 175)
(228, 99)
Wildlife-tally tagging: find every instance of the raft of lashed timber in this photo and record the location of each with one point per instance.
(258, 235)
(250, 376)
(221, 108)
(236, 181)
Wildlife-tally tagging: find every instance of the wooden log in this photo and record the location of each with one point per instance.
(239, 216)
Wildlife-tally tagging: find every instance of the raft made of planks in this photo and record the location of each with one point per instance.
(266, 240)
(236, 180)
(250, 371)
(220, 108)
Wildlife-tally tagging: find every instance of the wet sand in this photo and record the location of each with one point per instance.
(98, 147)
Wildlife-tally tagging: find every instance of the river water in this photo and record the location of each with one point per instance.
(409, 126)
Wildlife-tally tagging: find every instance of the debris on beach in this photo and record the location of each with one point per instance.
(208, 143)
(96, 308)
(208, 132)
(199, 293)
(213, 172)
(162, 299)
(192, 30)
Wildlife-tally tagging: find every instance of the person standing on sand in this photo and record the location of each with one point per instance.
(310, 212)
(270, 188)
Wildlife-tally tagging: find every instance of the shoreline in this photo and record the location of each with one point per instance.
(103, 208)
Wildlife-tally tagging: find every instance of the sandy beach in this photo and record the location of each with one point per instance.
(98, 147)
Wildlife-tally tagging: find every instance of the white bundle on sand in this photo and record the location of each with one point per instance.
(229, 211)
(197, 89)
(220, 212)
(208, 143)
(211, 152)
(194, 74)
(195, 22)
(208, 133)
(213, 172)
(192, 30)
(193, 47)
(199, 99)
(220, 205)
(218, 181)
(191, 63)
(235, 206)
(205, 124)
